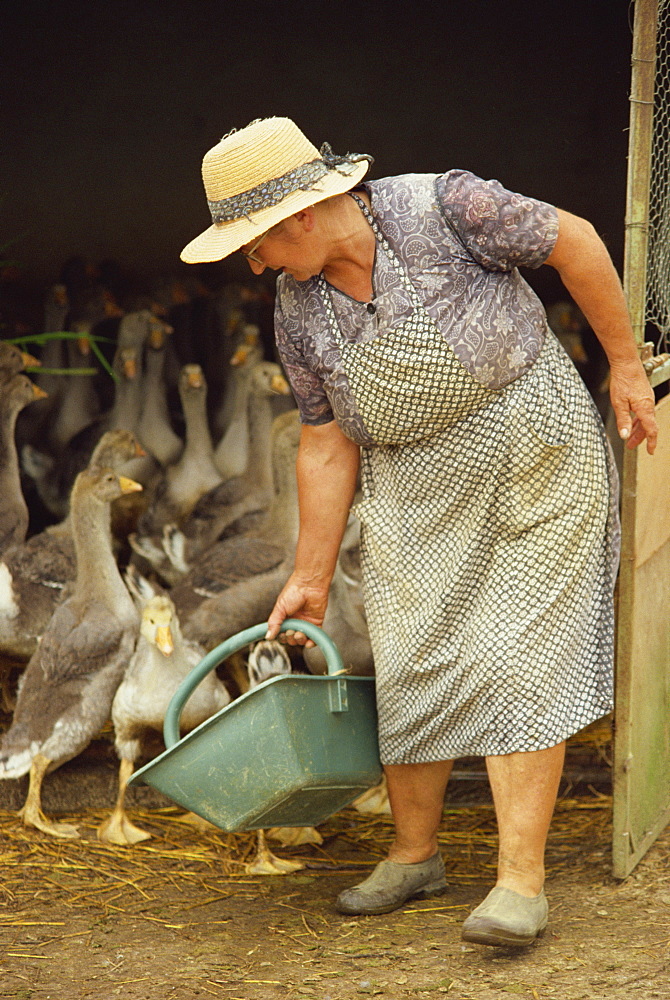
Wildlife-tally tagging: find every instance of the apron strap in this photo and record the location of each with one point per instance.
(390, 253)
(393, 258)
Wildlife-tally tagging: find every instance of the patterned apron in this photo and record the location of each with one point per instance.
(489, 543)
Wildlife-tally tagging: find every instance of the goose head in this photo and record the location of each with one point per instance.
(267, 659)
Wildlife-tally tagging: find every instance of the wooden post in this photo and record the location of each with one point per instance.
(629, 843)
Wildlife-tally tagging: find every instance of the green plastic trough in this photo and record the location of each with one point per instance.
(291, 752)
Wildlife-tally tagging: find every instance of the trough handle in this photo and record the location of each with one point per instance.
(224, 650)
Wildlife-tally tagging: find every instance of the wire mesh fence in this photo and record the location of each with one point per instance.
(658, 251)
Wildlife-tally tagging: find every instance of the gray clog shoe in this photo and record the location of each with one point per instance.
(391, 884)
(507, 918)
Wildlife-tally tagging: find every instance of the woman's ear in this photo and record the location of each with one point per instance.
(305, 218)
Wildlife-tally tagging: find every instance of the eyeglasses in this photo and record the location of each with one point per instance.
(250, 254)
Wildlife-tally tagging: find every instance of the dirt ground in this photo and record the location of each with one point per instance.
(177, 916)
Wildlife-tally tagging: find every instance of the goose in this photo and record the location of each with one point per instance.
(15, 394)
(134, 330)
(13, 361)
(269, 659)
(194, 473)
(154, 429)
(34, 423)
(161, 660)
(182, 484)
(78, 402)
(243, 500)
(54, 478)
(231, 455)
(66, 691)
(235, 584)
(35, 574)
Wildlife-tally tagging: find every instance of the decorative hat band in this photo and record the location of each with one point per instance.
(302, 178)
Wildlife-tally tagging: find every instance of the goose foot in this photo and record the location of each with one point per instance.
(31, 814)
(199, 822)
(267, 863)
(294, 836)
(375, 801)
(118, 829)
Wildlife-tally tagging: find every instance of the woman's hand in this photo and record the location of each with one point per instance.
(297, 600)
(631, 393)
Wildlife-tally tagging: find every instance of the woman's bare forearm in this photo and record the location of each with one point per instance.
(327, 471)
(586, 269)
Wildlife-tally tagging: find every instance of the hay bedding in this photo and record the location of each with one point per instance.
(177, 917)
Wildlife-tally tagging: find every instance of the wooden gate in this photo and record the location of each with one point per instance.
(641, 781)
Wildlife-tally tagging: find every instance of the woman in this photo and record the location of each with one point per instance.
(489, 513)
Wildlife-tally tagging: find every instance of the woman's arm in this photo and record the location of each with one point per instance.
(586, 269)
(327, 470)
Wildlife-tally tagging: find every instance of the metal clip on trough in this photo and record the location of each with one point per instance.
(291, 752)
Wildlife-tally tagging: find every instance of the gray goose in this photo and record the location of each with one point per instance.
(15, 393)
(66, 692)
(240, 503)
(54, 479)
(34, 575)
(266, 660)
(235, 583)
(13, 361)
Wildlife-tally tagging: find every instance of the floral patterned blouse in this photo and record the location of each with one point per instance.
(461, 240)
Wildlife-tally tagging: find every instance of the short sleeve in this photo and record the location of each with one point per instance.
(500, 229)
(307, 387)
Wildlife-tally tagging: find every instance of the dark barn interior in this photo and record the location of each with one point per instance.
(107, 112)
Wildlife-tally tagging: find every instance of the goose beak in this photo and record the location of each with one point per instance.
(129, 485)
(164, 640)
(158, 332)
(38, 393)
(279, 385)
(84, 345)
(194, 377)
(240, 356)
(29, 361)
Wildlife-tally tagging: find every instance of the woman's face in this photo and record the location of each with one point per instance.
(293, 246)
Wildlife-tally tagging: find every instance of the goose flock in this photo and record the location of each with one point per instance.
(165, 538)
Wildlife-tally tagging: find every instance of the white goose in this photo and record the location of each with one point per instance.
(231, 455)
(183, 483)
(160, 662)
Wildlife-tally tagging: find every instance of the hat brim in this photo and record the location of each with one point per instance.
(225, 238)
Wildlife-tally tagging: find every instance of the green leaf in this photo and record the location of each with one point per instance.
(62, 371)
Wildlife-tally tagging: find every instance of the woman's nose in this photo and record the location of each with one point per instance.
(255, 266)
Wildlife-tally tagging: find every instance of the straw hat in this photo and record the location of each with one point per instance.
(259, 176)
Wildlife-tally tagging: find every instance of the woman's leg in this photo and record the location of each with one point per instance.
(416, 793)
(414, 867)
(524, 786)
